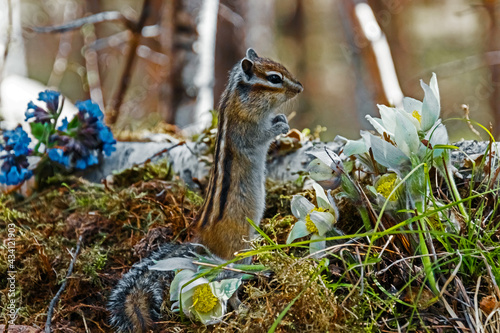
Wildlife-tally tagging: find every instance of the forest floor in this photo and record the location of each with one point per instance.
(120, 223)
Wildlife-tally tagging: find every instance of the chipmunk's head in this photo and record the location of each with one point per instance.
(262, 83)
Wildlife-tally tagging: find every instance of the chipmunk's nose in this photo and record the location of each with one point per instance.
(299, 87)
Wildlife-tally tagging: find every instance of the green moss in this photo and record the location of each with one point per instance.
(158, 170)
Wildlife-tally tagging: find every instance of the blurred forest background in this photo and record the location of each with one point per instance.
(142, 65)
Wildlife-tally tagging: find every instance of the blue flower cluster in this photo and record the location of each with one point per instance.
(51, 99)
(14, 168)
(80, 141)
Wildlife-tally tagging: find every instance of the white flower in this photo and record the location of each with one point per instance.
(326, 168)
(313, 220)
(402, 131)
(423, 115)
(200, 299)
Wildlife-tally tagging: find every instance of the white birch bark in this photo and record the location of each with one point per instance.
(382, 52)
(204, 79)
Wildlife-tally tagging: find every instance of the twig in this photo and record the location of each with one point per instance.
(92, 19)
(63, 286)
(163, 151)
(465, 107)
(64, 50)
(476, 306)
(116, 102)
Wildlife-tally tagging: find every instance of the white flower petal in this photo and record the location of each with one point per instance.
(175, 306)
(299, 230)
(301, 206)
(329, 158)
(212, 317)
(377, 124)
(178, 281)
(193, 284)
(411, 104)
(321, 197)
(335, 211)
(430, 107)
(323, 221)
(317, 246)
(406, 135)
(385, 153)
(437, 135)
(187, 301)
(435, 88)
(388, 116)
(410, 117)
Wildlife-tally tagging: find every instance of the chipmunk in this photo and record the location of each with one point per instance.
(236, 191)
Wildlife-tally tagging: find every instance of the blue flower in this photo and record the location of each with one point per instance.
(40, 115)
(17, 141)
(108, 140)
(15, 175)
(64, 125)
(83, 163)
(88, 138)
(51, 98)
(91, 108)
(57, 155)
(109, 149)
(14, 168)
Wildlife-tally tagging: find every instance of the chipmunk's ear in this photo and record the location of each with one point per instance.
(247, 67)
(251, 54)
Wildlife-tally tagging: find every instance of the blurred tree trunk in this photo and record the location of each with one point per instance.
(369, 89)
(388, 14)
(494, 45)
(229, 45)
(260, 19)
(294, 29)
(171, 89)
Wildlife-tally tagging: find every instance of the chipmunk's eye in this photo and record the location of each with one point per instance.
(273, 78)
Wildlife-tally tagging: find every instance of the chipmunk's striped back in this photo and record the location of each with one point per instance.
(247, 125)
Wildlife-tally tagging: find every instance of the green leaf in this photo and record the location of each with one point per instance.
(174, 263)
(73, 124)
(37, 130)
(224, 289)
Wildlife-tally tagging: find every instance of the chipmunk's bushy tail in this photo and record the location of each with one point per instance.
(136, 300)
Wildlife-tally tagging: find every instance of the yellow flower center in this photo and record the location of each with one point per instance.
(311, 227)
(417, 116)
(203, 298)
(386, 185)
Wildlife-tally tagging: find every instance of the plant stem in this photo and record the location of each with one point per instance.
(453, 187)
(365, 217)
(426, 260)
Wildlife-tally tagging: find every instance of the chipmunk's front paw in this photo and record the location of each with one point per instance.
(280, 125)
